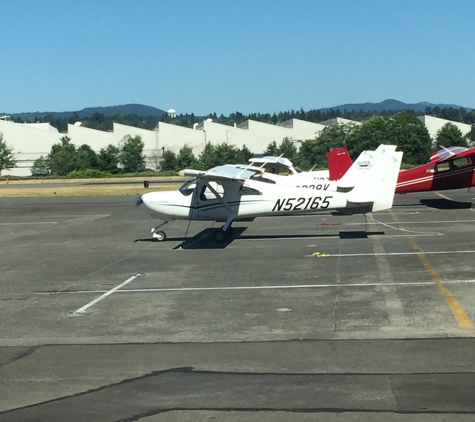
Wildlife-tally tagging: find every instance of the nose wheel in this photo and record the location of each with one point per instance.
(158, 235)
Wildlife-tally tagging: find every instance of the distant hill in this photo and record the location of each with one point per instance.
(124, 110)
(143, 110)
(390, 105)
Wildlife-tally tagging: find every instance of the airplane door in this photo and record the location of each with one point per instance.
(454, 174)
(206, 206)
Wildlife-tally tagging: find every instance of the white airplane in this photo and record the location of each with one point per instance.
(229, 193)
(281, 171)
(338, 159)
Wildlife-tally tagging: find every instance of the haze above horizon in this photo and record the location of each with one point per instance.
(210, 56)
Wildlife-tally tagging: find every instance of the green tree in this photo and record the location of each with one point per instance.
(63, 157)
(246, 154)
(185, 158)
(471, 137)
(131, 158)
(450, 135)
(108, 159)
(411, 136)
(7, 157)
(287, 149)
(86, 157)
(314, 152)
(227, 154)
(403, 129)
(271, 149)
(207, 158)
(168, 161)
(40, 167)
(368, 136)
(309, 155)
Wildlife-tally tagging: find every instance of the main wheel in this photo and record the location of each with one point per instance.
(159, 236)
(219, 235)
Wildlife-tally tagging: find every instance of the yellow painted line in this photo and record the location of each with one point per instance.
(444, 196)
(459, 313)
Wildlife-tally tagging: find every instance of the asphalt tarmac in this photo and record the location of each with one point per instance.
(308, 318)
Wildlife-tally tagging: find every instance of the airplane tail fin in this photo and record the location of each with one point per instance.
(339, 161)
(375, 177)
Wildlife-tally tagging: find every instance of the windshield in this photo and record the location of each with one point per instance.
(188, 187)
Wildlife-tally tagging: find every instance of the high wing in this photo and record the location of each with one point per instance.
(446, 153)
(224, 173)
(284, 167)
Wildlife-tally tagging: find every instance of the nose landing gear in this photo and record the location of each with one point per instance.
(158, 235)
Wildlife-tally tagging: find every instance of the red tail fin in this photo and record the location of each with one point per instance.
(339, 161)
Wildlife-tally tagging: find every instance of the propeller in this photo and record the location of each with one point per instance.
(138, 200)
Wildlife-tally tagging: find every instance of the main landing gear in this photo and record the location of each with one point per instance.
(220, 235)
(225, 232)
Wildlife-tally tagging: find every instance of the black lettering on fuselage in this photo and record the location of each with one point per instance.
(316, 187)
(300, 204)
(278, 205)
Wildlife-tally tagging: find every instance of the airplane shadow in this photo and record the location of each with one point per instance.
(204, 239)
(361, 234)
(445, 204)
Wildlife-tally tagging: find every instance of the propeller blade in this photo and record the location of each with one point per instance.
(138, 200)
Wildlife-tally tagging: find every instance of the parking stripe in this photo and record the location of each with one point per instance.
(82, 310)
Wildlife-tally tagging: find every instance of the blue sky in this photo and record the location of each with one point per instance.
(251, 56)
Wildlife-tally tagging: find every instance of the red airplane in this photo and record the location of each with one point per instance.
(449, 168)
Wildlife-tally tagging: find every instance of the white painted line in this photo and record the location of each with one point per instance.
(283, 287)
(331, 222)
(394, 253)
(412, 222)
(412, 234)
(28, 223)
(284, 237)
(83, 309)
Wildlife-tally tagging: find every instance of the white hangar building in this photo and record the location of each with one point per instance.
(434, 124)
(33, 140)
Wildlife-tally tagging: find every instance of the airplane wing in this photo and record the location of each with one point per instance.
(262, 161)
(235, 173)
(447, 153)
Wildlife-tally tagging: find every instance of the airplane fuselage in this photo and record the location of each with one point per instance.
(246, 200)
(455, 173)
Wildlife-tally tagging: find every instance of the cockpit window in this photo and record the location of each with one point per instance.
(442, 167)
(246, 190)
(461, 162)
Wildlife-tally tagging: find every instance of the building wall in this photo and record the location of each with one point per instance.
(434, 124)
(31, 141)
